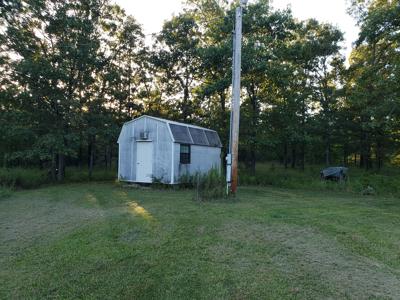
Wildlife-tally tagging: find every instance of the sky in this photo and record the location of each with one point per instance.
(152, 13)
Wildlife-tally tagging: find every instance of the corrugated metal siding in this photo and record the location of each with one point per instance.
(162, 158)
(177, 165)
(203, 158)
(160, 137)
(125, 163)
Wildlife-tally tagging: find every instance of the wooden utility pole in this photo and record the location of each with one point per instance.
(232, 158)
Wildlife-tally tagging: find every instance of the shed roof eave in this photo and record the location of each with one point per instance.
(120, 134)
(168, 122)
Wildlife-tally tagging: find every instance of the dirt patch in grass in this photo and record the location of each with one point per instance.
(306, 255)
(132, 235)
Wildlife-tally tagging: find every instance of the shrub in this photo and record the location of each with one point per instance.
(22, 178)
(5, 192)
(386, 182)
(187, 181)
(158, 183)
(33, 178)
(73, 174)
(104, 175)
(206, 186)
(369, 191)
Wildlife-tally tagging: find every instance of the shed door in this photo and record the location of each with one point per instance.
(144, 162)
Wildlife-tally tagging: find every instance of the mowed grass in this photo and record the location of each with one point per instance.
(102, 241)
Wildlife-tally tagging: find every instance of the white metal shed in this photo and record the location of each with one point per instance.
(154, 148)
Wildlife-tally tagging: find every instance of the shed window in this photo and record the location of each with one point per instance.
(185, 154)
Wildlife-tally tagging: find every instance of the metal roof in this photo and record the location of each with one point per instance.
(188, 134)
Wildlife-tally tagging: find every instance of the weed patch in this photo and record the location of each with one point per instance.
(387, 182)
(206, 186)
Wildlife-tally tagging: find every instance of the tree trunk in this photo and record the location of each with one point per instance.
(365, 155)
(345, 155)
(61, 167)
(105, 157)
(379, 154)
(327, 154)
(252, 161)
(222, 102)
(254, 123)
(185, 104)
(110, 157)
(91, 164)
(80, 153)
(303, 133)
(54, 167)
(293, 156)
(285, 157)
(368, 162)
(91, 157)
(303, 156)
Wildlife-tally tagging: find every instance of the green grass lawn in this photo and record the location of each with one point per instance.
(103, 241)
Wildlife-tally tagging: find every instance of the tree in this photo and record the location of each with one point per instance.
(66, 60)
(373, 88)
(177, 62)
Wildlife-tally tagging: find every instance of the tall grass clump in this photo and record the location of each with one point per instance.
(5, 192)
(75, 174)
(384, 182)
(206, 186)
(22, 178)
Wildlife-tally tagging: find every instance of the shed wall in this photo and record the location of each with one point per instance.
(163, 154)
(162, 148)
(124, 162)
(202, 159)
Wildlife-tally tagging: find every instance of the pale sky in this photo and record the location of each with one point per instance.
(152, 13)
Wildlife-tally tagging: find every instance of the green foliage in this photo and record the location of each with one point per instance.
(5, 192)
(73, 71)
(386, 182)
(82, 175)
(372, 81)
(206, 186)
(20, 178)
(177, 61)
(23, 178)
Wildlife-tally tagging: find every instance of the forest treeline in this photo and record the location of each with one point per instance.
(73, 71)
